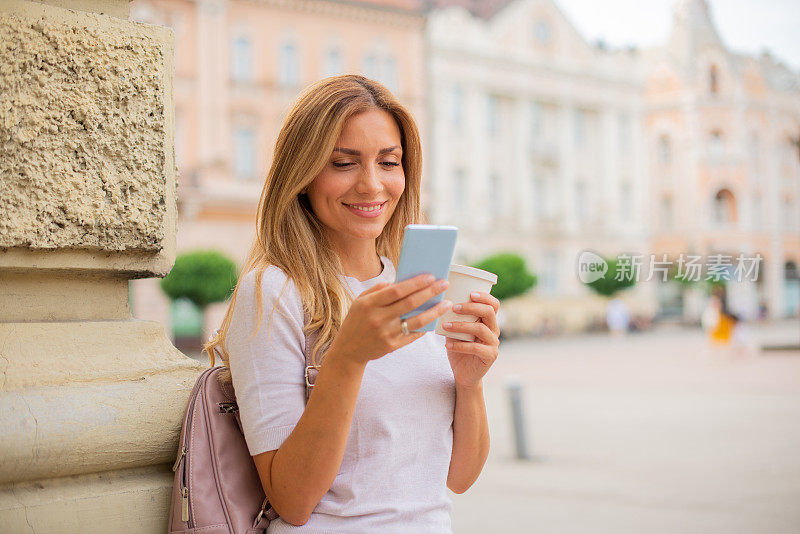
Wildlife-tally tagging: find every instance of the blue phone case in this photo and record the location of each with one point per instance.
(427, 248)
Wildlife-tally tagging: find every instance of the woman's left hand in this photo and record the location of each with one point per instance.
(470, 360)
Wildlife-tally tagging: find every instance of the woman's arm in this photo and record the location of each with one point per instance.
(470, 438)
(298, 474)
(470, 360)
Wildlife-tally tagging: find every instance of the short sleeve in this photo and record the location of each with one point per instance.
(268, 368)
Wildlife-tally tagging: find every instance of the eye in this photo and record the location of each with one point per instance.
(340, 165)
(390, 163)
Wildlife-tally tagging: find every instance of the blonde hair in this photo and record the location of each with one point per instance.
(289, 235)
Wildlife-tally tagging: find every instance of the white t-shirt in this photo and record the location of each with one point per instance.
(394, 472)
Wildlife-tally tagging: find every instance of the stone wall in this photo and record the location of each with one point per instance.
(91, 400)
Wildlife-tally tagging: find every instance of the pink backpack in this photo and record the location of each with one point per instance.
(216, 489)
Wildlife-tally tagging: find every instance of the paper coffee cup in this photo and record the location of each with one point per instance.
(463, 281)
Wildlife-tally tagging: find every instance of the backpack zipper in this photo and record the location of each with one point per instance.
(186, 512)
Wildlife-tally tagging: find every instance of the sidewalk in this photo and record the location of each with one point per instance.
(650, 433)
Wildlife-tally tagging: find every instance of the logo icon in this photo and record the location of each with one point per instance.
(591, 266)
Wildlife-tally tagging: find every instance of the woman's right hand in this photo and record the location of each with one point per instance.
(371, 329)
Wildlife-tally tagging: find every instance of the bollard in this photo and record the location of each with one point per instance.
(514, 388)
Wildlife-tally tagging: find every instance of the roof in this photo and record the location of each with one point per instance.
(484, 9)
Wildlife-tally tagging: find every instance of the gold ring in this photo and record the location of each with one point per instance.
(404, 327)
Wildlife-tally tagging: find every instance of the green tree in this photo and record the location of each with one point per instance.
(513, 277)
(617, 277)
(201, 276)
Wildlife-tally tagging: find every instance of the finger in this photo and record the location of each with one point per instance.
(431, 314)
(375, 288)
(484, 311)
(487, 298)
(399, 290)
(414, 300)
(476, 328)
(484, 353)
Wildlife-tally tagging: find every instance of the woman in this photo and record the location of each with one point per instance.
(391, 421)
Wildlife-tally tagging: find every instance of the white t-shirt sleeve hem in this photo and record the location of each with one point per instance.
(270, 440)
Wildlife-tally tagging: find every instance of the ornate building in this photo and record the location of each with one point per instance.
(547, 145)
(537, 147)
(725, 174)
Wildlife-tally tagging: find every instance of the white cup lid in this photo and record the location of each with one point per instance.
(472, 271)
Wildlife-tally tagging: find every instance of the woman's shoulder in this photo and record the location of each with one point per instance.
(275, 285)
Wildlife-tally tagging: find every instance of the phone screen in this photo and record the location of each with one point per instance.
(427, 248)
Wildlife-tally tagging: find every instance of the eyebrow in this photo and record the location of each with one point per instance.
(352, 152)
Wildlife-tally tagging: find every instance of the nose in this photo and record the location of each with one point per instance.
(369, 183)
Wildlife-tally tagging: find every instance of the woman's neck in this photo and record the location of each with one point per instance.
(359, 257)
(362, 267)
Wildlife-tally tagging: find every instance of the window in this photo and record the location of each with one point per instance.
(713, 80)
(381, 64)
(626, 200)
(538, 197)
(536, 120)
(496, 195)
(579, 127)
(624, 131)
(757, 215)
(541, 31)
(289, 66)
(244, 141)
(754, 148)
(369, 66)
(716, 145)
(456, 106)
(788, 214)
(241, 59)
(332, 64)
(390, 74)
(666, 213)
(724, 212)
(664, 150)
(493, 118)
(580, 201)
(790, 151)
(460, 193)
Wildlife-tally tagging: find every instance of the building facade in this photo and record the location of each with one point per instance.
(537, 147)
(536, 141)
(239, 66)
(724, 169)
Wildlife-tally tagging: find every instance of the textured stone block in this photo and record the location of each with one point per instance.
(85, 131)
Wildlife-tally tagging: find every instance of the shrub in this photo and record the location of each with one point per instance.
(513, 277)
(609, 283)
(202, 276)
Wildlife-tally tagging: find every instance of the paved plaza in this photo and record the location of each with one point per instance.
(650, 433)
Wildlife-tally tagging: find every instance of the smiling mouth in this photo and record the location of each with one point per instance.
(366, 210)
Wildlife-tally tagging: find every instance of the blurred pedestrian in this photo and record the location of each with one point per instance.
(617, 317)
(710, 317)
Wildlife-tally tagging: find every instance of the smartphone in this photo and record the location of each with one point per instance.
(427, 248)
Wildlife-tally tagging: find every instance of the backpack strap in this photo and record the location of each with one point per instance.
(265, 515)
(311, 369)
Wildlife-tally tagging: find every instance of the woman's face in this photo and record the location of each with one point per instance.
(365, 169)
